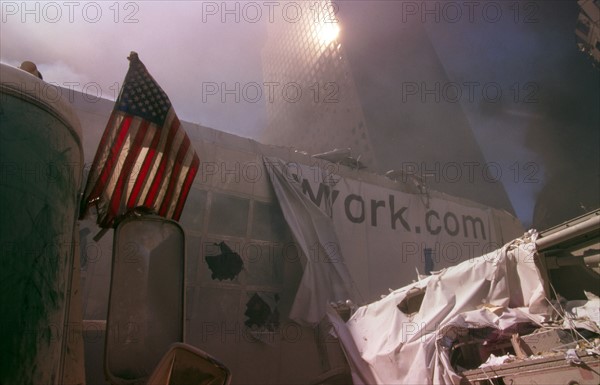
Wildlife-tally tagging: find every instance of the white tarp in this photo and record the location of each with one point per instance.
(499, 290)
(384, 235)
(325, 277)
(583, 314)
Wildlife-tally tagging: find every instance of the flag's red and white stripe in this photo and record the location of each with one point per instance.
(140, 163)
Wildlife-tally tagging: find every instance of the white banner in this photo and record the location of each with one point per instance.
(385, 235)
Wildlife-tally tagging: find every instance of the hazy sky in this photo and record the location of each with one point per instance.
(547, 121)
(545, 127)
(87, 43)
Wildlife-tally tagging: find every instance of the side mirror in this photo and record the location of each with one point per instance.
(186, 365)
(145, 310)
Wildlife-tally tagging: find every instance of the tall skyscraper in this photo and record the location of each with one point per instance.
(370, 80)
(316, 105)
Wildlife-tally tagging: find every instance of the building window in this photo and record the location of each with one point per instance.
(228, 215)
(261, 311)
(226, 264)
(193, 217)
(268, 223)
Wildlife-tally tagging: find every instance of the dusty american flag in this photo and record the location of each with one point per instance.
(145, 158)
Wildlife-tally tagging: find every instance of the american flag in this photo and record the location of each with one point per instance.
(144, 159)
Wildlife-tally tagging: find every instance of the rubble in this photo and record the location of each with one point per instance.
(496, 319)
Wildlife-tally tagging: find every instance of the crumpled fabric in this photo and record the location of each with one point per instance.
(583, 314)
(326, 278)
(414, 348)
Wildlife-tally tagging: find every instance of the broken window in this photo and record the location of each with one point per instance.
(261, 311)
(411, 304)
(226, 265)
(268, 223)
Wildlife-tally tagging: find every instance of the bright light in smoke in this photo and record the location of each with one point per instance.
(328, 33)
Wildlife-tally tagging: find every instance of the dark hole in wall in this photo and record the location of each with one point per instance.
(226, 265)
(260, 314)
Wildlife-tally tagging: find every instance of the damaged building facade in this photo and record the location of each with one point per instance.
(276, 240)
(525, 313)
(271, 232)
(248, 297)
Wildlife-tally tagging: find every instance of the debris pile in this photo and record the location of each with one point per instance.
(488, 320)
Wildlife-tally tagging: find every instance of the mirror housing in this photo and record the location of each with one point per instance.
(146, 303)
(186, 365)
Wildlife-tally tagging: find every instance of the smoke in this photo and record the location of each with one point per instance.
(542, 131)
(567, 136)
(181, 44)
(544, 128)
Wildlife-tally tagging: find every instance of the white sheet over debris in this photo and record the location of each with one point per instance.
(499, 290)
(584, 314)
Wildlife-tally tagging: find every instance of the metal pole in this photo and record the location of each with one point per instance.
(589, 225)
